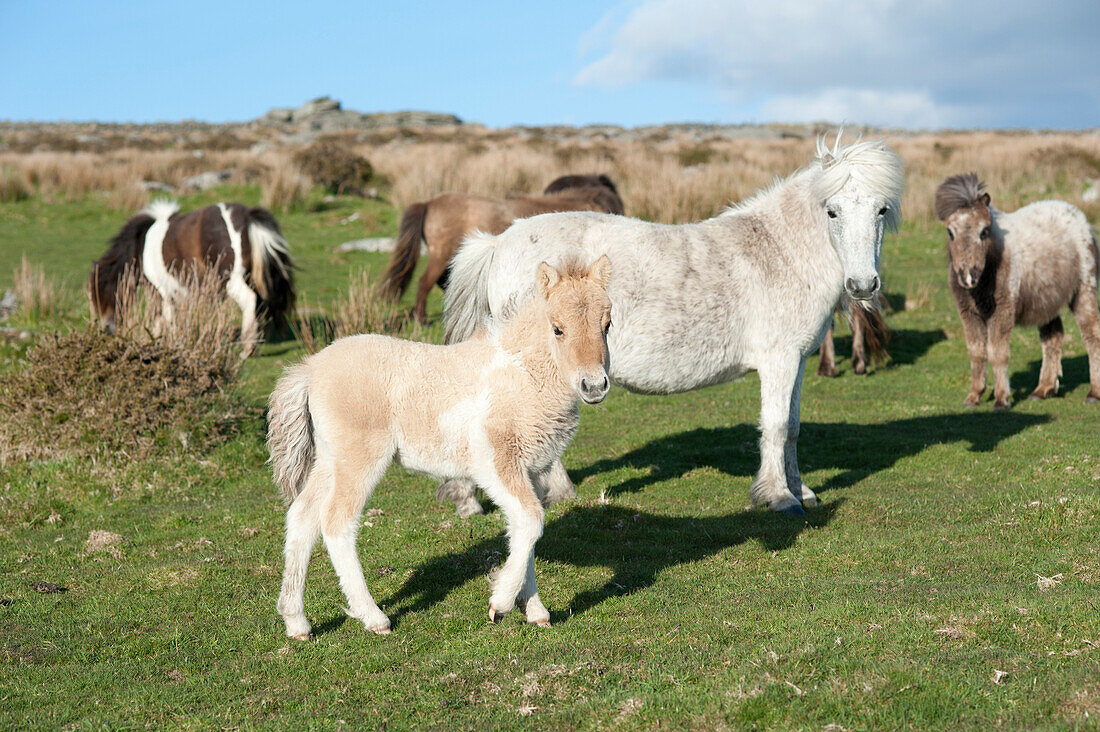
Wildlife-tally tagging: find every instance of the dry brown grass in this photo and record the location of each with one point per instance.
(37, 294)
(13, 185)
(360, 308)
(669, 176)
(125, 395)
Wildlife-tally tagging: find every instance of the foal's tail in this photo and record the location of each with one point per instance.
(876, 332)
(406, 252)
(272, 266)
(290, 431)
(466, 302)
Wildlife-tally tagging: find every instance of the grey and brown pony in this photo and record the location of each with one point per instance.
(1018, 268)
(442, 222)
(243, 245)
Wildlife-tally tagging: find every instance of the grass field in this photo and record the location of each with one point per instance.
(949, 580)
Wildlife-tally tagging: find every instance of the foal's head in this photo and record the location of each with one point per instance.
(578, 314)
(860, 189)
(962, 204)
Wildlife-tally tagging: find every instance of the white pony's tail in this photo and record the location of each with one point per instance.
(466, 302)
(290, 431)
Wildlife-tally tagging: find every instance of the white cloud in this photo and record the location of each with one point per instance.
(896, 62)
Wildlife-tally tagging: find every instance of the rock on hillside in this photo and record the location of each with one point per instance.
(325, 115)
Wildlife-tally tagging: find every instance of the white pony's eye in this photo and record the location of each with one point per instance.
(882, 211)
(832, 213)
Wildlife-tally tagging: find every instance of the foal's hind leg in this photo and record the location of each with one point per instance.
(1050, 335)
(463, 493)
(1087, 313)
(558, 485)
(303, 525)
(827, 365)
(354, 479)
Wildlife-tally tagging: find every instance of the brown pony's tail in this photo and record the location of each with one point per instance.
(272, 267)
(876, 333)
(406, 252)
(290, 431)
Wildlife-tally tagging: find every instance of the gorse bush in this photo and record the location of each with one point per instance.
(335, 167)
(148, 387)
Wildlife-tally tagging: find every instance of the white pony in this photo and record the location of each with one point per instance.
(701, 304)
(499, 409)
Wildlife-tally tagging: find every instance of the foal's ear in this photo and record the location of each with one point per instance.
(600, 271)
(546, 277)
(986, 199)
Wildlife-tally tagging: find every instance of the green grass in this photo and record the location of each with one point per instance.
(890, 606)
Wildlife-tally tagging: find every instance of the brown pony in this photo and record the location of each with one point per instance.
(443, 221)
(869, 333)
(244, 245)
(1018, 268)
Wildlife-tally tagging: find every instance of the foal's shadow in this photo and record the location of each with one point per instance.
(1075, 371)
(636, 545)
(857, 450)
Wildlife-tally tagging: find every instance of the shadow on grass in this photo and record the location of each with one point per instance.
(859, 450)
(904, 346)
(1075, 371)
(636, 545)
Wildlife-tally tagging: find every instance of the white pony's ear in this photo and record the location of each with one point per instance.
(600, 272)
(546, 277)
(828, 160)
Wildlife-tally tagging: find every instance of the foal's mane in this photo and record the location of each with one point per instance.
(957, 192)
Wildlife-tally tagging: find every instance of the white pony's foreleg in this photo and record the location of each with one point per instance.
(559, 486)
(516, 579)
(463, 493)
(777, 383)
(790, 452)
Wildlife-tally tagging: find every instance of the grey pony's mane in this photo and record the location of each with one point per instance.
(957, 192)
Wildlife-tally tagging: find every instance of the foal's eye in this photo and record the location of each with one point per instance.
(832, 213)
(882, 211)
(950, 235)
(558, 332)
(985, 233)
(607, 328)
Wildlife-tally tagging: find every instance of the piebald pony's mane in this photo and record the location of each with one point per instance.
(870, 164)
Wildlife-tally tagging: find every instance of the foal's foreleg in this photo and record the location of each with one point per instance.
(515, 581)
(1050, 336)
(976, 342)
(790, 452)
(777, 384)
(859, 342)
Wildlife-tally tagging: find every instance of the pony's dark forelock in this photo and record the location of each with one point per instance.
(957, 192)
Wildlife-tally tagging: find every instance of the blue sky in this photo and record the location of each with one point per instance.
(909, 63)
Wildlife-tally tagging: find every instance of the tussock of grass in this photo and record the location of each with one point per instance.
(335, 167)
(36, 293)
(360, 308)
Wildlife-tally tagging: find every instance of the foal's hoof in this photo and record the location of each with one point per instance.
(544, 623)
(302, 637)
(381, 631)
(1001, 407)
(1092, 399)
(495, 616)
(793, 510)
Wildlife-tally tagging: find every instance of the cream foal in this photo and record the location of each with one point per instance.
(499, 409)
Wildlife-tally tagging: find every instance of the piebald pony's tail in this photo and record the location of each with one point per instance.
(272, 267)
(406, 252)
(466, 303)
(290, 431)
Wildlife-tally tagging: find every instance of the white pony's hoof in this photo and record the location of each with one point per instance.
(809, 498)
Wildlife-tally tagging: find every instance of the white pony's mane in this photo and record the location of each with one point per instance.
(871, 164)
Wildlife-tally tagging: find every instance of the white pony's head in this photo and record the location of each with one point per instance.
(860, 188)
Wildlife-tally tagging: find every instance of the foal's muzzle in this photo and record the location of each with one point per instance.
(862, 288)
(594, 389)
(968, 278)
